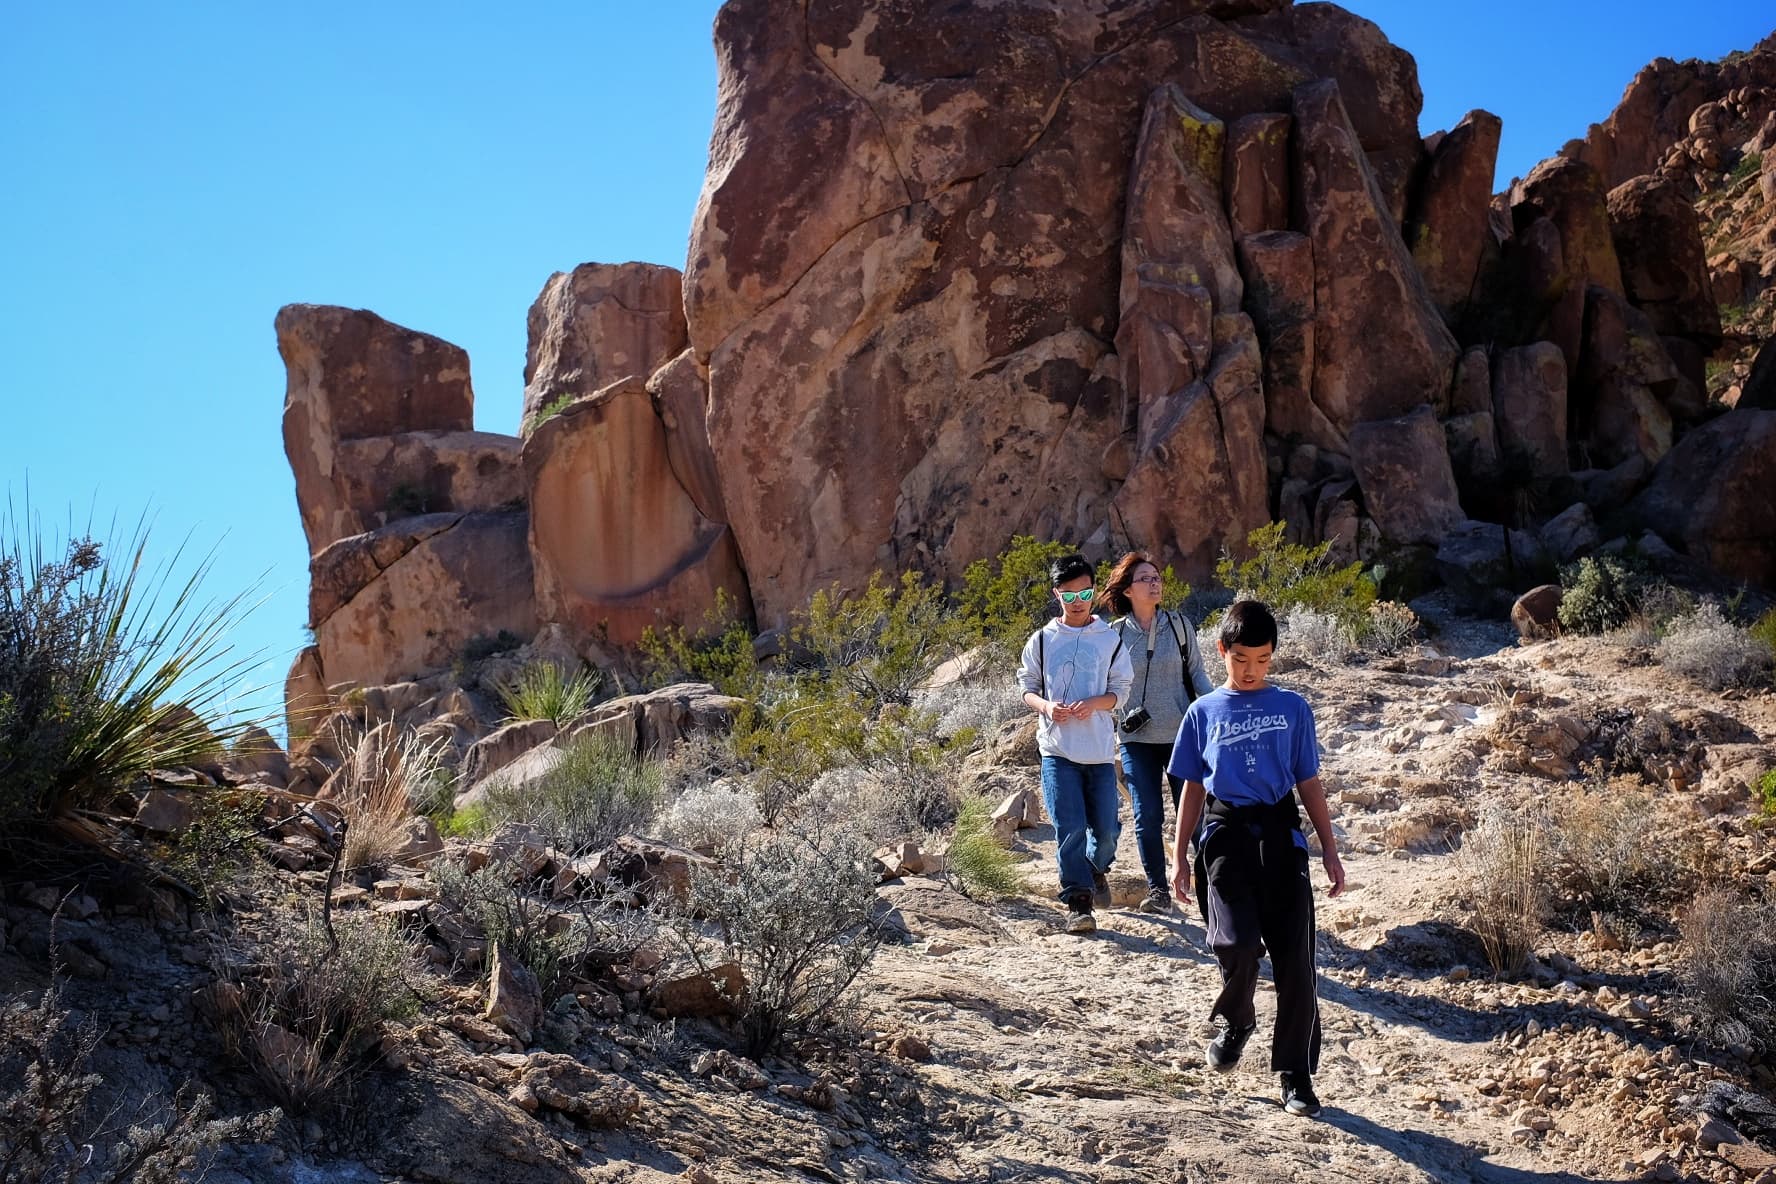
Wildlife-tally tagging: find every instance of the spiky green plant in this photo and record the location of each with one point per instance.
(544, 690)
(109, 667)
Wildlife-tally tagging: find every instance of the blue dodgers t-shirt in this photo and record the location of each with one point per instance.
(1249, 748)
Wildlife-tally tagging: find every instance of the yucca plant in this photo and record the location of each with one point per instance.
(546, 691)
(109, 667)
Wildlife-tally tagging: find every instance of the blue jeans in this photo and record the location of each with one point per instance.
(1081, 801)
(1144, 767)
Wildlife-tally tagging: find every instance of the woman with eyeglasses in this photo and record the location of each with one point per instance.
(1168, 675)
(1074, 674)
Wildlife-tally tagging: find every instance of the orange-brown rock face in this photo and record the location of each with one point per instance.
(596, 324)
(908, 277)
(353, 375)
(618, 543)
(1448, 231)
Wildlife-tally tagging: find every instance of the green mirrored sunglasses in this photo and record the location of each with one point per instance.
(1082, 594)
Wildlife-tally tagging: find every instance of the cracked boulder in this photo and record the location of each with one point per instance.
(407, 599)
(596, 324)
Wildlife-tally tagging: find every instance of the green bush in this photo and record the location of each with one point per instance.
(979, 864)
(718, 652)
(92, 653)
(885, 641)
(549, 410)
(1287, 575)
(1764, 630)
(1748, 165)
(1766, 792)
(544, 690)
(601, 789)
(1004, 599)
(1600, 593)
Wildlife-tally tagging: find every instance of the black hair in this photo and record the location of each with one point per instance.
(1069, 567)
(1248, 623)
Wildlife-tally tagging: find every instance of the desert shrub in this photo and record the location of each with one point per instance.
(1004, 599)
(977, 862)
(718, 651)
(215, 849)
(1605, 854)
(548, 411)
(387, 775)
(1287, 575)
(1707, 648)
(883, 642)
(1504, 858)
(601, 789)
(1747, 166)
(797, 912)
(972, 709)
(552, 941)
(49, 1133)
(786, 743)
(304, 1007)
(1727, 963)
(1765, 792)
(712, 816)
(1600, 593)
(1764, 630)
(1391, 627)
(1316, 636)
(93, 650)
(544, 690)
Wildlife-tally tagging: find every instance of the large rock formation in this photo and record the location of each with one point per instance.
(618, 543)
(1711, 496)
(1149, 273)
(597, 324)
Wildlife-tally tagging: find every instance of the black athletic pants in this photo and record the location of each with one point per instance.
(1255, 895)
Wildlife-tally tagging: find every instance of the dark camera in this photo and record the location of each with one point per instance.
(1135, 720)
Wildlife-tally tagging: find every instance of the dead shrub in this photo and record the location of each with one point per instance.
(1603, 847)
(1727, 962)
(797, 913)
(1705, 647)
(48, 1131)
(388, 774)
(303, 1007)
(1505, 859)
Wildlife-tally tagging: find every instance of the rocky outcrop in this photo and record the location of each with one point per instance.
(1710, 495)
(1448, 231)
(618, 544)
(1664, 273)
(1529, 408)
(353, 375)
(1380, 347)
(596, 324)
(1577, 248)
(408, 598)
(1404, 472)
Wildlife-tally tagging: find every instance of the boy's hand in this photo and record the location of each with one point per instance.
(1334, 872)
(1181, 884)
(1059, 711)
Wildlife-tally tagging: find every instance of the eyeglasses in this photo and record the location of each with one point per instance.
(1147, 580)
(1073, 597)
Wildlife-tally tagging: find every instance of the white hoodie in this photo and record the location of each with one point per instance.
(1078, 664)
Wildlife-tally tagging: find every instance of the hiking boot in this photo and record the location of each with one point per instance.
(1224, 1050)
(1079, 916)
(1157, 900)
(1100, 890)
(1298, 1095)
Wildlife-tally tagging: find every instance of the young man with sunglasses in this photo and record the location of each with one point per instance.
(1075, 673)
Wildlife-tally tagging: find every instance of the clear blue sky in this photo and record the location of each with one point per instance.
(175, 173)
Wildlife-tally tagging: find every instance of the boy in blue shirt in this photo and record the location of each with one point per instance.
(1244, 751)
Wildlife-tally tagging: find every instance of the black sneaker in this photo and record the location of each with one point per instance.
(1100, 890)
(1079, 916)
(1298, 1095)
(1157, 900)
(1225, 1049)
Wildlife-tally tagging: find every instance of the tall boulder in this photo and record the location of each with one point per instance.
(1381, 348)
(1403, 470)
(618, 544)
(1278, 266)
(1664, 265)
(1569, 194)
(1529, 409)
(1448, 230)
(1710, 495)
(599, 323)
(352, 375)
(1256, 178)
(1619, 404)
